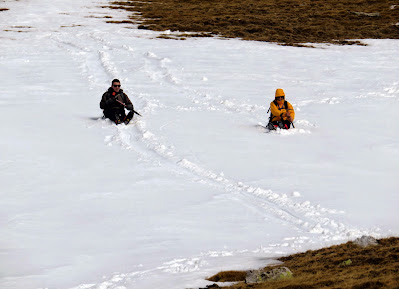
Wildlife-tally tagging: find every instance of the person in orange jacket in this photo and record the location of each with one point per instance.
(282, 113)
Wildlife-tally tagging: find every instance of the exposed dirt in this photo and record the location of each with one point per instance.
(287, 22)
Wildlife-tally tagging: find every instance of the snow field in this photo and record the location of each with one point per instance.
(195, 186)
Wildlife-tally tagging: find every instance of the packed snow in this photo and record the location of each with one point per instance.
(197, 185)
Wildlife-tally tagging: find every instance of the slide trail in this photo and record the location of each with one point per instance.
(303, 215)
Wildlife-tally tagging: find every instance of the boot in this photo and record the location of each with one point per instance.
(281, 125)
(117, 119)
(129, 117)
(270, 126)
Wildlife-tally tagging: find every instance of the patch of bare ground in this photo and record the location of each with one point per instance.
(4, 9)
(93, 16)
(346, 266)
(288, 22)
(73, 25)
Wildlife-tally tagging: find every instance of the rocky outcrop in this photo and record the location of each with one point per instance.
(365, 241)
(259, 276)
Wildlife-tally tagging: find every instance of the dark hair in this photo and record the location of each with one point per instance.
(115, 80)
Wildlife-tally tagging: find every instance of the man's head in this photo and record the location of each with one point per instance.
(116, 85)
(280, 95)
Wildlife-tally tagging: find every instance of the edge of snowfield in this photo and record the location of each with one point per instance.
(101, 57)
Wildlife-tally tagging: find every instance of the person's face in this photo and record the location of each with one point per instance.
(280, 99)
(116, 86)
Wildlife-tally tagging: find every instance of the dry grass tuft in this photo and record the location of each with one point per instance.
(288, 22)
(228, 276)
(121, 22)
(343, 266)
(92, 16)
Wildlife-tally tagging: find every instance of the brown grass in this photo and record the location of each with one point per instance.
(121, 22)
(343, 266)
(228, 276)
(283, 21)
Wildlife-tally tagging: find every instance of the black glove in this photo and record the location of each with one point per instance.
(129, 107)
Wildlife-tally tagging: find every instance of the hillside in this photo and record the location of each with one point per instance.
(346, 266)
(285, 22)
(197, 185)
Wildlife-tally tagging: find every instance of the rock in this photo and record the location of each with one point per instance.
(259, 276)
(365, 241)
(372, 14)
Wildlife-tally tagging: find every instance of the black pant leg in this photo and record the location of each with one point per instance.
(113, 114)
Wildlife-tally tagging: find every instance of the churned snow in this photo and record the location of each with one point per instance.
(196, 185)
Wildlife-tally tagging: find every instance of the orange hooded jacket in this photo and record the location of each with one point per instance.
(279, 112)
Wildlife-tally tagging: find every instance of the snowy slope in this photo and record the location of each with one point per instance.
(195, 186)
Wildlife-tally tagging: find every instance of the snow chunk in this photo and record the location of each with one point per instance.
(296, 194)
(147, 135)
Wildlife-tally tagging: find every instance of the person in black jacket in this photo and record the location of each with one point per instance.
(114, 101)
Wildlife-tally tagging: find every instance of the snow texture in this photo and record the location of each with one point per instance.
(196, 185)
